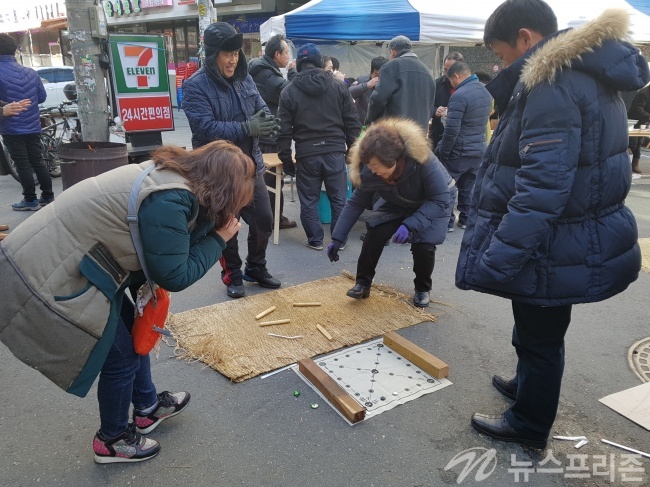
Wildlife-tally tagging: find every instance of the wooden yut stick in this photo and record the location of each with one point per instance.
(324, 332)
(265, 312)
(299, 305)
(276, 322)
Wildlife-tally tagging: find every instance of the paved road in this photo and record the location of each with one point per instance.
(257, 434)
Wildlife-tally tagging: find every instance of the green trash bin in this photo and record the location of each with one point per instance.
(82, 160)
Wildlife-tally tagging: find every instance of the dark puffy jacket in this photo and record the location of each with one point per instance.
(640, 109)
(548, 224)
(18, 82)
(467, 115)
(270, 83)
(361, 95)
(212, 105)
(406, 89)
(318, 112)
(420, 198)
(443, 93)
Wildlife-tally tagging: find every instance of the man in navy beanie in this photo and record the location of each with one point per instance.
(318, 113)
(221, 102)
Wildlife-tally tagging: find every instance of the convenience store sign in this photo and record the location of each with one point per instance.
(140, 69)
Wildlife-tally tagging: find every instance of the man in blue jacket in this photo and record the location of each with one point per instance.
(22, 133)
(463, 140)
(221, 101)
(548, 226)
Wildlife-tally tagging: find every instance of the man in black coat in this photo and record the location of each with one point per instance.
(317, 112)
(443, 92)
(265, 71)
(407, 88)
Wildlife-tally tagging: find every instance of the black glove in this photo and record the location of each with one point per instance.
(333, 250)
(261, 124)
(289, 168)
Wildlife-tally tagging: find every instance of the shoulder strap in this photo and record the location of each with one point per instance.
(132, 220)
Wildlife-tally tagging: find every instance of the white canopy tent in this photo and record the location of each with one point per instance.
(354, 31)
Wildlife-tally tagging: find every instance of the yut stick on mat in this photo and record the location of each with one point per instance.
(265, 312)
(302, 305)
(276, 322)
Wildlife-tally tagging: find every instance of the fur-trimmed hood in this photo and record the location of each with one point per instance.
(415, 141)
(600, 47)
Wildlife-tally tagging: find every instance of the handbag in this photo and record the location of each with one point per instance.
(152, 302)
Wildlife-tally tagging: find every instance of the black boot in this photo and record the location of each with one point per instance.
(421, 299)
(505, 386)
(261, 276)
(359, 291)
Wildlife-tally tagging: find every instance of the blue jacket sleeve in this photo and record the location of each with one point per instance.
(204, 119)
(351, 212)
(549, 146)
(455, 112)
(435, 180)
(174, 260)
(42, 94)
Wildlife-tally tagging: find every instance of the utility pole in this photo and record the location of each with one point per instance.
(89, 77)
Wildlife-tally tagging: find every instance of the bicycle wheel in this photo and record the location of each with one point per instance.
(51, 156)
(8, 162)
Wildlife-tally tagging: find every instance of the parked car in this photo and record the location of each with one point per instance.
(55, 78)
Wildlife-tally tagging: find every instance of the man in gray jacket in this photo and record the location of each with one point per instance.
(463, 142)
(407, 88)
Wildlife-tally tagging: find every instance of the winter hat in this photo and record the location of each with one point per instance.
(221, 36)
(309, 53)
(399, 43)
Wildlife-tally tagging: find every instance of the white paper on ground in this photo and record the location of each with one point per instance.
(632, 403)
(377, 377)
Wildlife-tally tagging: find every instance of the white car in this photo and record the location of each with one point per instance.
(55, 78)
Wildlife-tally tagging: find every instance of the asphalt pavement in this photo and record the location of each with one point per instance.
(257, 434)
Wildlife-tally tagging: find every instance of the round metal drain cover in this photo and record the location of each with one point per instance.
(639, 359)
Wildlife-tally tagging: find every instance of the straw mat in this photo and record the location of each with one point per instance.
(228, 338)
(645, 254)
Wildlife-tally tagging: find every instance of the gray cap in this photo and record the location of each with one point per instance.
(399, 43)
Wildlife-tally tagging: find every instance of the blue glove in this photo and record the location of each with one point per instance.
(401, 235)
(333, 250)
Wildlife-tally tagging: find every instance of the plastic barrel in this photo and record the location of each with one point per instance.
(82, 160)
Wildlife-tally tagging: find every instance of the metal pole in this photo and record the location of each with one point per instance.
(89, 77)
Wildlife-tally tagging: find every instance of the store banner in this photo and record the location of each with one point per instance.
(140, 82)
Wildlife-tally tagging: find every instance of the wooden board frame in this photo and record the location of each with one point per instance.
(334, 393)
(429, 363)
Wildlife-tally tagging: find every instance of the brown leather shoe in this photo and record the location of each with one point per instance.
(286, 223)
(4, 227)
(497, 427)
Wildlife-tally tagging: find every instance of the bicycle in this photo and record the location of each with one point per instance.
(50, 142)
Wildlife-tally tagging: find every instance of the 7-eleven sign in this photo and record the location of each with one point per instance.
(139, 64)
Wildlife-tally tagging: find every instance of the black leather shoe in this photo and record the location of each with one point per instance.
(505, 386)
(261, 276)
(498, 428)
(421, 299)
(236, 289)
(359, 292)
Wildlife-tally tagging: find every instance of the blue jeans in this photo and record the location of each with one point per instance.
(125, 378)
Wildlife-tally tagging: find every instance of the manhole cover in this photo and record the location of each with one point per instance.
(639, 359)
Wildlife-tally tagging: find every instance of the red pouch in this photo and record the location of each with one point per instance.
(145, 328)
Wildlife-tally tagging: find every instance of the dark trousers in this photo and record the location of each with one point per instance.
(125, 378)
(635, 144)
(269, 178)
(464, 173)
(311, 173)
(27, 152)
(259, 218)
(424, 256)
(538, 338)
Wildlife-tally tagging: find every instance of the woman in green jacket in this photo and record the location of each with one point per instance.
(68, 315)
